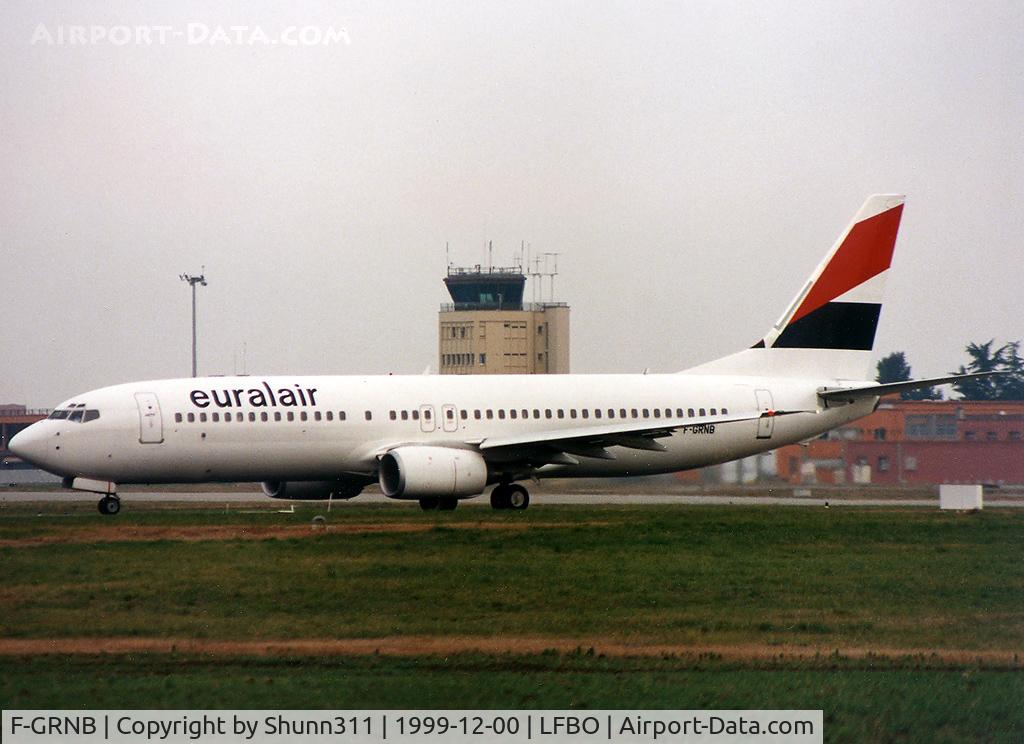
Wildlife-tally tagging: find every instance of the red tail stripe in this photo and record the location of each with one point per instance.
(866, 253)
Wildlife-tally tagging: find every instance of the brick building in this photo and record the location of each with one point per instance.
(916, 442)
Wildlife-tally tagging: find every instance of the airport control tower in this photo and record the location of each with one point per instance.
(489, 329)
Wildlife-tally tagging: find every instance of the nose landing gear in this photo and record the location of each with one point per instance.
(109, 505)
(510, 496)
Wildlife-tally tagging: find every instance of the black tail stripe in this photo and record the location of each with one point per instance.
(836, 325)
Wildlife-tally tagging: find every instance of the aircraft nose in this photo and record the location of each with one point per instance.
(29, 444)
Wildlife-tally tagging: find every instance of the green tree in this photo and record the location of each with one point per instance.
(984, 358)
(894, 368)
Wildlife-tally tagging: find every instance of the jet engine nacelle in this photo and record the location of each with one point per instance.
(311, 490)
(422, 472)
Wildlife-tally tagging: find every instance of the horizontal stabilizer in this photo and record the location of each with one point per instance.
(871, 391)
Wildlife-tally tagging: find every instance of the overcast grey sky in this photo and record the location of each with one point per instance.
(691, 161)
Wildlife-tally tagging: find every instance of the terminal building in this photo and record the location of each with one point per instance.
(487, 328)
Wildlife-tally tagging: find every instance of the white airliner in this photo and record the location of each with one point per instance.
(438, 439)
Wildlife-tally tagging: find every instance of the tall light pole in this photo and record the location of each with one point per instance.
(193, 281)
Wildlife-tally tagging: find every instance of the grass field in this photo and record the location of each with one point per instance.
(903, 625)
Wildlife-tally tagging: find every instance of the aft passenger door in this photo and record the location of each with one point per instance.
(151, 424)
(765, 424)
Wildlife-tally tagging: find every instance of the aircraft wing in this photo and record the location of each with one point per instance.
(593, 441)
(871, 391)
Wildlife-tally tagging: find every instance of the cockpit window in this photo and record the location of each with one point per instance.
(78, 413)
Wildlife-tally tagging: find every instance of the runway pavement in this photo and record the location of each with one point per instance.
(538, 498)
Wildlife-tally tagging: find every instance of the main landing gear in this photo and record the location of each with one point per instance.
(109, 505)
(510, 496)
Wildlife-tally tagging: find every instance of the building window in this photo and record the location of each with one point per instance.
(1014, 436)
(483, 359)
(880, 434)
(991, 436)
(910, 463)
(931, 426)
(970, 436)
(883, 463)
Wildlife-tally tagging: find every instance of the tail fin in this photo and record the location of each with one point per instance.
(828, 330)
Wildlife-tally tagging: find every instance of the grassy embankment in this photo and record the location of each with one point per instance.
(900, 583)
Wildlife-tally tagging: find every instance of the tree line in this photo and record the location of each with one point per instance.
(983, 357)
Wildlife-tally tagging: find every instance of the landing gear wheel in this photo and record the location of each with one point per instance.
(447, 504)
(500, 498)
(430, 504)
(109, 505)
(518, 498)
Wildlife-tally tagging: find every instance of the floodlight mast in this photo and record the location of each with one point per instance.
(193, 281)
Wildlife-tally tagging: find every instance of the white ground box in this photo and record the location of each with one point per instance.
(959, 497)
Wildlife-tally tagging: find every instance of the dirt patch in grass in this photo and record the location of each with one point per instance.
(522, 645)
(198, 533)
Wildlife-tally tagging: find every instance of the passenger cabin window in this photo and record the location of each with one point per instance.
(215, 417)
(252, 416)
(368, 415)
(690, 413)
(330, 415)
(177, 418)
(277, 415)
(263, 416)
(191, 418)
(702, 412)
